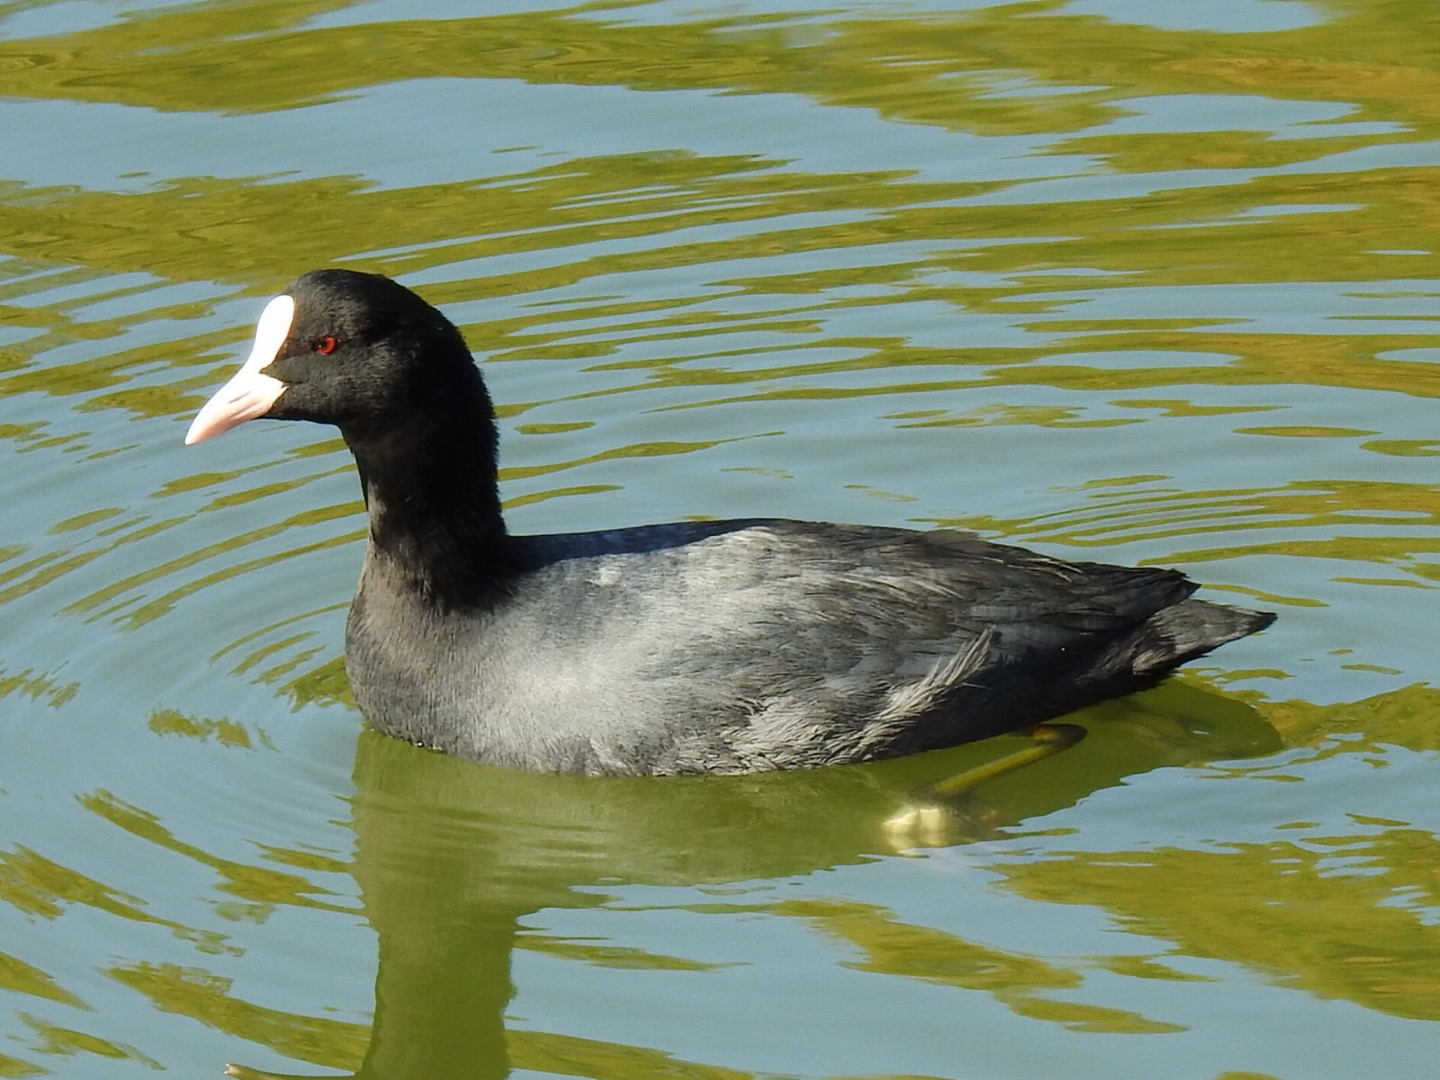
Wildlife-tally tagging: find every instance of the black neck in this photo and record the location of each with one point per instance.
(434, 509)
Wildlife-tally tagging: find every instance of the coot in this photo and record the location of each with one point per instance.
(694, 647)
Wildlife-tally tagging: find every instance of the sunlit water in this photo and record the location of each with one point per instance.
(1120, 279)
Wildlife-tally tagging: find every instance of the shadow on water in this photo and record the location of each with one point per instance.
(452, 858)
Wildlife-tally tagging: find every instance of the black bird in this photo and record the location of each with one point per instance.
(693, 647)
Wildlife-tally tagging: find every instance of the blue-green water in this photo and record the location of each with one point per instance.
(1135, 281)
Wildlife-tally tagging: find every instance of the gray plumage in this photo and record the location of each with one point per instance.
(735, 646)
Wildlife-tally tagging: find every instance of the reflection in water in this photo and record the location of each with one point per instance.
(452, 857)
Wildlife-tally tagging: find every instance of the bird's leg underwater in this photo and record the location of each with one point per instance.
(939, 812)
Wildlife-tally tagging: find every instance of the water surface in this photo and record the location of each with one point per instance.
(1140, 282)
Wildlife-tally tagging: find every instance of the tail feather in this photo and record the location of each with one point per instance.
(1171, 636)
(1178, 634)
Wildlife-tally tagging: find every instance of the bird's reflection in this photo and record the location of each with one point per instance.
(452, 856)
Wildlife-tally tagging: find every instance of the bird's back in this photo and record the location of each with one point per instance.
(745, 646)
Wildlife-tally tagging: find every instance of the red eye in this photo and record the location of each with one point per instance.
(325, 345)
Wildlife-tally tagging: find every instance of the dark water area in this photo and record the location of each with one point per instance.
(1149, 283)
